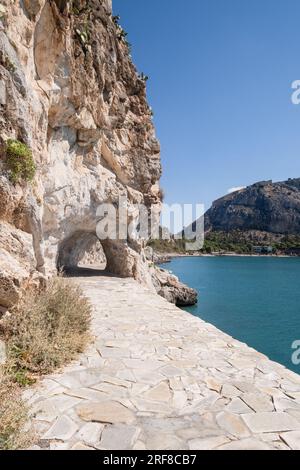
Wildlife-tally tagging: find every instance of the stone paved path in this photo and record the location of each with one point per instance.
(158, 378)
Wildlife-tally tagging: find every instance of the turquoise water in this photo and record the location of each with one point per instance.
(255, 300)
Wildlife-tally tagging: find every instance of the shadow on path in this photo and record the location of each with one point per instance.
(87, 272)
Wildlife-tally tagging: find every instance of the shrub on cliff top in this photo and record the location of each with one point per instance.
(46, 330)
(19, 161)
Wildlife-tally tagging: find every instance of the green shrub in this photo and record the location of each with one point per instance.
(19, 161)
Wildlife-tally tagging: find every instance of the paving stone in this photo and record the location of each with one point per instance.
(44, 411)
(233, 424)
(88, 394)
(295, 413)
(258, 402)
(279, 445)
(113, 352)
(245, 387)
(55, 445)
(64, 402)
(245, 444)
(151, 406)
(110, 389)
(208, 443)
(292, 439)
(81, 446)
(213, 384)
(90, 433)
(179, 399)
(171, 371)
(271, 422)
(139, 445)
(162, 441)
(62, 430)
(282, 404)
(160, 393)
(116, 381)
(237, 406)
(229, 391)
(107, 412)
(119, 437)
(118, 343)
(69, 381)
(127, 375)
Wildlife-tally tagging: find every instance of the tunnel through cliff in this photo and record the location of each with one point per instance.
(83, 250)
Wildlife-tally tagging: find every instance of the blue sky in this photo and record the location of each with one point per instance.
(220, 87)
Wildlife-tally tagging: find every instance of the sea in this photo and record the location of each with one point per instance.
(254, 299)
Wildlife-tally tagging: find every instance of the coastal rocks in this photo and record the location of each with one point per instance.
(169, 287)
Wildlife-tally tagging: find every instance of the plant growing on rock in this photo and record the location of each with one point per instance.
(121, 33)
(143, 77)
(2, 11)
(19, 161)
(83, 36)
(116, 19)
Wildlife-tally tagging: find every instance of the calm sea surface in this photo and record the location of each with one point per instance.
(255, 300)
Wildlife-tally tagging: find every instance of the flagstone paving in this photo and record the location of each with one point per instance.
(158, 378)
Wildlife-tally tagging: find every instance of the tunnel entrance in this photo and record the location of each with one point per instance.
(82, 251)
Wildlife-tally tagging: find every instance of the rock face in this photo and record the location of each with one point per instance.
(169, 287)
(166, 284)
(69, 91)
(265, 207)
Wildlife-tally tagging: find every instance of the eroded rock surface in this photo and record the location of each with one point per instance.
(169, 287)
(70, 92)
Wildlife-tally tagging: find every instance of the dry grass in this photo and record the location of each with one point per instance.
(46, 331)
(13, 417)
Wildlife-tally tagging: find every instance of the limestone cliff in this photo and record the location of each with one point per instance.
(73, 104)
(70, 92)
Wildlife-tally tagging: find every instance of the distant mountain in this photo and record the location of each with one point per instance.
(265, 207)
